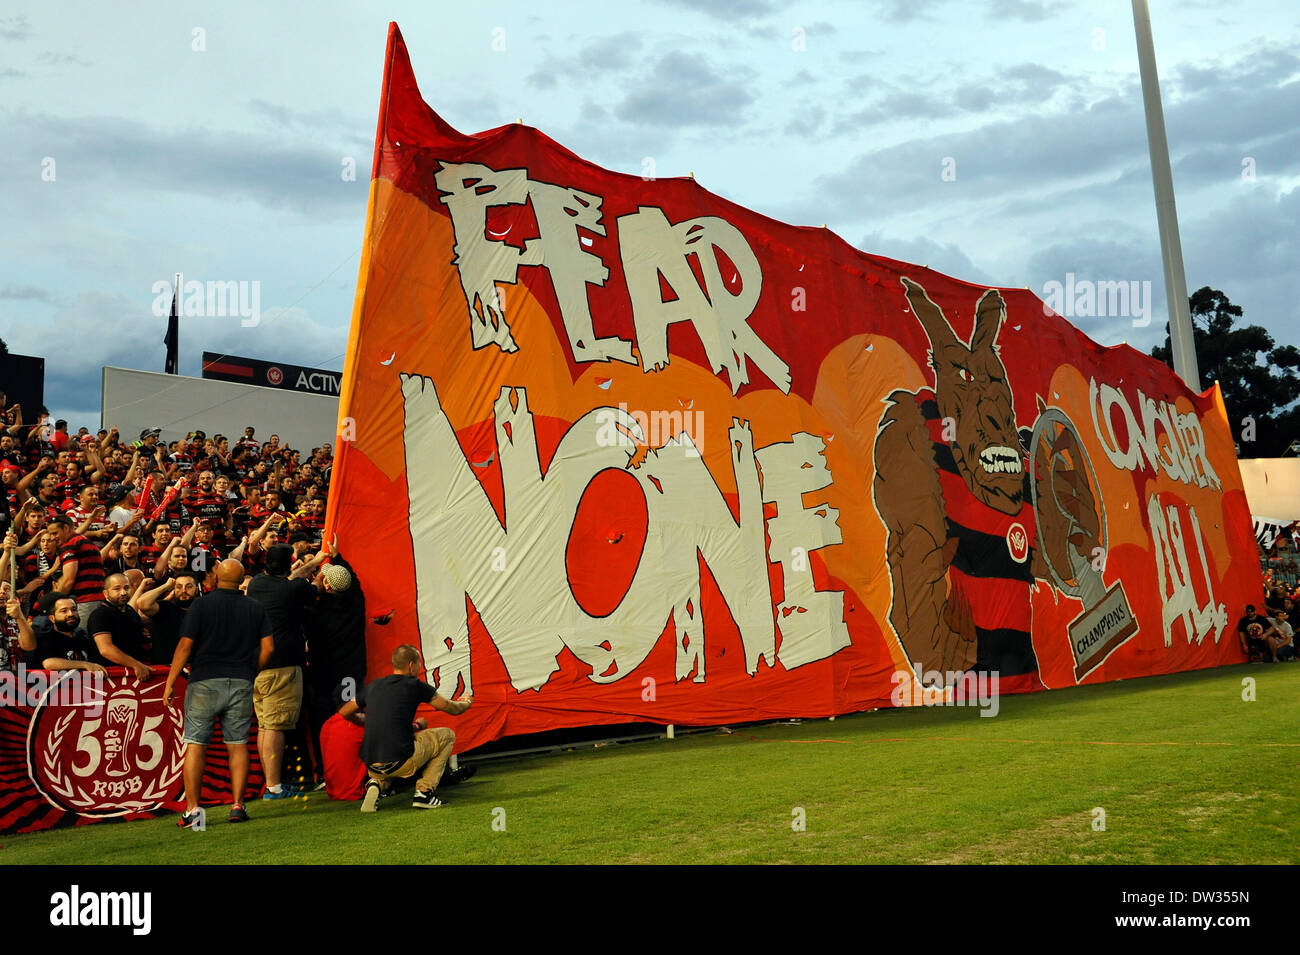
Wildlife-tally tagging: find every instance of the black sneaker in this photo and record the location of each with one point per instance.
(453, 777)
(371, 801)
(426, 800)
(189, 820)
(237, 814)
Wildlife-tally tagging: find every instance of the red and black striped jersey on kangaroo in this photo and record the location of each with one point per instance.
(990, 569)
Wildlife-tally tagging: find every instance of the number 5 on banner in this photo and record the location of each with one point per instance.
(153, 741)
(86, 743)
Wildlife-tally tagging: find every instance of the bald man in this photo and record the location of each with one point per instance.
(117, 629)
(225, 638)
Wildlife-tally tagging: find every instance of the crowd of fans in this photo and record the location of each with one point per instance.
(157, 508)
(94, 524)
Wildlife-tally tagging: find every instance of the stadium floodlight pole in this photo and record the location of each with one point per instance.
(1181, 341)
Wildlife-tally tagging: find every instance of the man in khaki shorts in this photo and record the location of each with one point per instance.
(277, 690)
(396, 745)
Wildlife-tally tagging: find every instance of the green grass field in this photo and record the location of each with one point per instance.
(1186, 771)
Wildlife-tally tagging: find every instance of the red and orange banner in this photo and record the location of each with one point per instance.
(615, 449)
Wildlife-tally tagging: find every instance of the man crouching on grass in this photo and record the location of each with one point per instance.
(396, 745)
(225, 638)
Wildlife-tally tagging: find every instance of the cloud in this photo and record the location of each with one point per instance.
(1008, 87)
(15, 28)
(858, 56)
(544, 77)
(1027, 11)
(1257, 236)
(1247, 249)
(1107, 259)
(609, 54)
(1019, 159)
(942, 257)
(28, 293)
(53, 58)
(907, 11)
(1034, 78)
(286, 117)
(807, 123)
(132, 157)
(683, 89)
(730, 11)
(1267, 65)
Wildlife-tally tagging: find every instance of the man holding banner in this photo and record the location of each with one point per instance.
(397, 745)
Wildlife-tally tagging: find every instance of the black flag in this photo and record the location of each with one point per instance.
(173, 337)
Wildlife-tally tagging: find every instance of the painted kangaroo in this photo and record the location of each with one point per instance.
(952, 487)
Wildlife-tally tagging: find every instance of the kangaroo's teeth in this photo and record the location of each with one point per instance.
(1000, 459)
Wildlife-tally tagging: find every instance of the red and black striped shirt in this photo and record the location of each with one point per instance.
(89, 584)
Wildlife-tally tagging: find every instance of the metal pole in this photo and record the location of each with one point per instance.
(1182, 343)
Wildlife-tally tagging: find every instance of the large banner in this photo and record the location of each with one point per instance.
(613, 448)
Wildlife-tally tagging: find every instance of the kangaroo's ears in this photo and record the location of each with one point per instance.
(990, 312)
(929, 315)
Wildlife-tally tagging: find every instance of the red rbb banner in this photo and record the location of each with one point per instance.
(615, 449)
(78, 747)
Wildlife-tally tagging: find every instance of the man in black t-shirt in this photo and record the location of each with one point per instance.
(54, 641)
(165, 608)
(225, 638)
(117, 629)
(1251, 630)
(396, 745)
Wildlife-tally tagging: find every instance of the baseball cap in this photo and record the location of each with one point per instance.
(150, 433)
(114, 493)
(45, 603)
(279, 559)
(337, 577)
(299, 537)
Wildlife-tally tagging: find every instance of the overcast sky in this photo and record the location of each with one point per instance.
(211, 141)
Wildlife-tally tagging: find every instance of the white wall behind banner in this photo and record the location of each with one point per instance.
(134, 400)
(1272, 487)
